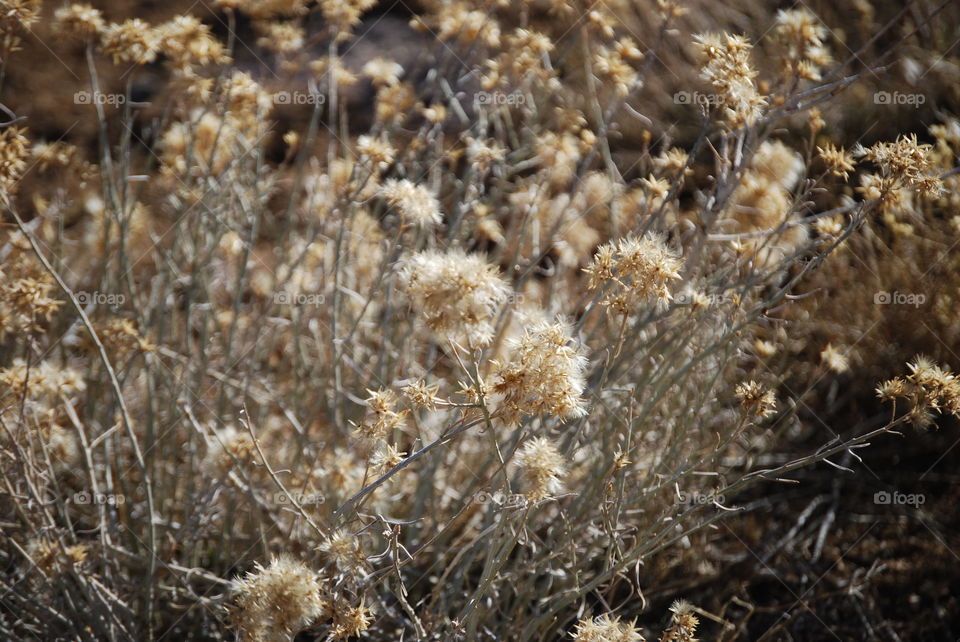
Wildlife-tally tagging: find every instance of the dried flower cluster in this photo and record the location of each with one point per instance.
(756, 400)
(632, 270)
(729, 70)
(543, 375)
(606, 628)
(336, 320)
(541, 467)
(928, 390)
(456, 294)
(416, 204)
(802, 35)
(275, 602)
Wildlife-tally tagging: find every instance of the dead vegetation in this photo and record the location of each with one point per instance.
(602, 322)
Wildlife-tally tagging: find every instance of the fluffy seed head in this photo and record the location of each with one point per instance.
(457, 294)
(132, 41)
(606, 628)
(79, 20)
(756, 400)
(415, 203)
(729, 70)
(637, 269)
(273, 603)
(541, 466)
(544, 375)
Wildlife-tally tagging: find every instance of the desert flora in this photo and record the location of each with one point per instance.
(479, 362)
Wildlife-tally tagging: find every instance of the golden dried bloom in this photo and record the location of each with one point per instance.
(54, 559)
(459, 20)
(132, 41)
(334, 70)
(611, 67)
(246, 98)
(280, 37)
(265, 9)
(343, 15)
(932, 387)
(541, 467)
(457, 294)
(544, 375)
(385, 457)
(815, 120)
(801, 35)
(227, 448)
(395, 102)
(56, 154)
(435, 113)
(17, 13)
(200, 147)
(39, 383)
(25, 303)
(350, 621)
(839, 162)
(79, 20)
(606, 628)
(382, 72)
(344, 551)
(671, 161)
(378, 152)
(121, 339)
(683, 625)
(671, 9)
(756, 400)
(830, 226)
(483, 154)
(892, 389)
(764, 348)
(834, 359)
(558, 154)
(415, 203)
(602, 21)
(385, 418)
(636, 268)
(273, 604)
(529, 53)
(421, 395)
(187, 41)
(904, 164)
(13, 159)
(729, 70)
(627, 48)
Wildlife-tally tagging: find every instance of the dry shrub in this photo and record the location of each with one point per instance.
(482, 361)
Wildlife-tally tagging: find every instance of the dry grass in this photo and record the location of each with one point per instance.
(597, 322)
